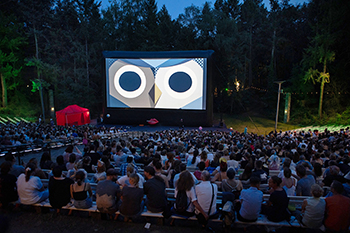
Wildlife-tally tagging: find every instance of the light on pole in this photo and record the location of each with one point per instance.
(278, 101)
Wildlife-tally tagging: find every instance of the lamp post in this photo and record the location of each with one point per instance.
(278, 101)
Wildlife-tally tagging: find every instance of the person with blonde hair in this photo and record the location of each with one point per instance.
(101, 172)
(313, 208)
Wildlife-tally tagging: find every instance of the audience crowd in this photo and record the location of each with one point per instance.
(197, 163)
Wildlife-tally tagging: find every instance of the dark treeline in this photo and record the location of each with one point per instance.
(56, 46)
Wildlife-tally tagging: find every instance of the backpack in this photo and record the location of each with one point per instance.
(181, 204)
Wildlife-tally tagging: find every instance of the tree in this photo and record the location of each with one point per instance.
(319, 52)
(10, 44)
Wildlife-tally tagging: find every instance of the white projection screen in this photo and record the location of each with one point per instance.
(169, 83)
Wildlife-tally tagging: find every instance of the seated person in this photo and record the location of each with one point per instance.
(59, 189)
(258, 171)
(206, 193)
(16, 170)
(230, 184)
(8, 188)
(131, 197)
(80, 190)
(108, 193)
(198, 173)
(337, 210)
(154, 188)
(185, 185)
(304, 184)
(313, 208)
(249, 205)
(124, 180)
(276, 208)
(221, 175)
(30, 189)
(101, 172)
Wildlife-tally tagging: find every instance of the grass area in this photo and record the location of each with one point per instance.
(263, 126)
(258, 125)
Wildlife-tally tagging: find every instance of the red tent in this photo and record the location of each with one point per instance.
(73, 115)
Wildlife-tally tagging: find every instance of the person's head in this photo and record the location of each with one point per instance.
(69, 149)
(231, 173)
(205, 176)
(101, 167)
(134, 179)
(6, 167)
(255, 181)
(45, 157)
(10, 157)
(33, 161)
(201, 166)
(157, 165)
(87, 160)
(248, 168)
(130, 169)
(258, 164)
(287, 162)
(287, 172)
(204, 155)
(185, 182)
(129, 159)
(72, 158)
(79, 177)
(301, 170)
(60, 160)
(274, 182)
(112, 174)
(223, 166)
(30, 168)
(149, 172)
(182, 167)
(337, 187)
(316, 190)
(334, 170)
(57, 171)
(195, 154)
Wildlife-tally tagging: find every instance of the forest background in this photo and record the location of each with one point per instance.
(51, 53)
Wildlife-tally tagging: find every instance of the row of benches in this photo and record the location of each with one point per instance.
(170, 192)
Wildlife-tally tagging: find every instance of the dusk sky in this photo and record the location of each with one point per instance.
(176, 7)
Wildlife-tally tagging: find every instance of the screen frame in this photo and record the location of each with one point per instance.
(129, 115)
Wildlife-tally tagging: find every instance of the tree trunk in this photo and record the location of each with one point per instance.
(87, 63)
(322, 88)
(250, 78)
(4, 91)
(36, 45)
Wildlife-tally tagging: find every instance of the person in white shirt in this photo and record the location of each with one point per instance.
(206, 193)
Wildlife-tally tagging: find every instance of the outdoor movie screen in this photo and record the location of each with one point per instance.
(166, 83)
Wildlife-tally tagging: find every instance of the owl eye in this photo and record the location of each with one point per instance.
(180, 82)
(130, 81)
(181, 86)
